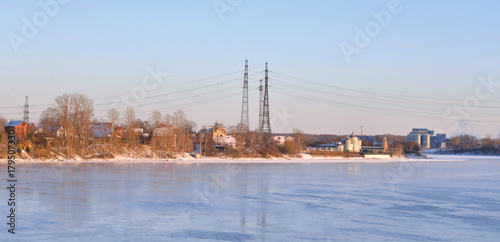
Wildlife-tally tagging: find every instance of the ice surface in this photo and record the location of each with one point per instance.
(444, 198)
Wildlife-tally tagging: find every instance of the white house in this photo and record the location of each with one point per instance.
(163, 131)
(352, 143)
(280, 139)
(225, 141)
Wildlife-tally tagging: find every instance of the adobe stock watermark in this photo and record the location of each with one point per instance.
(224, 6)
(280, 120)
(150, 81)
(65, 173)
(31, 26)
(462, 111)
(363, 37)
(404, 170)
(219, 180)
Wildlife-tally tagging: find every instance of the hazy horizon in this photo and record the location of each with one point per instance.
(333, 66)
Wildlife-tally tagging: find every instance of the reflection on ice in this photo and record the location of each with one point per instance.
(214, 235)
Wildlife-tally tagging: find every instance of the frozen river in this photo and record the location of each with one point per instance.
(397, 201)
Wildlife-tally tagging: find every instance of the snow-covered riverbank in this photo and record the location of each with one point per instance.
(187, 159)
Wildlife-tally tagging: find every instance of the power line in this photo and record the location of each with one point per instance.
(409, 113)
(381, 94)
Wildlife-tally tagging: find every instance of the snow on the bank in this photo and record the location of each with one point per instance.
(212, 160)
(186, 158)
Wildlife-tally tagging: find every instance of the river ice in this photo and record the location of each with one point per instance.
(455, 199)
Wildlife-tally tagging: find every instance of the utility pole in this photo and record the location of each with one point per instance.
(26, 117)
(244, 102)
(266, 123)
(361, 134)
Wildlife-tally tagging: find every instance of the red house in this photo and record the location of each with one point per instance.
(20, 127)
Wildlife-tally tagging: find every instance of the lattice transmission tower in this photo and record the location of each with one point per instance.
(261, 101)
(266, 123)
(244, 102)
(26, 117)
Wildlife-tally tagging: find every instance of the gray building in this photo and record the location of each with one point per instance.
(427, 139)
(438, 141)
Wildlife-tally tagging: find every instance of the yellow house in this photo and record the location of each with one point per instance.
(218, 131)
(214, 132)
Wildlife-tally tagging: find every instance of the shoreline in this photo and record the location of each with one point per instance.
(209, 160)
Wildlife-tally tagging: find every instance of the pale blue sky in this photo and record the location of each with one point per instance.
(435, 50)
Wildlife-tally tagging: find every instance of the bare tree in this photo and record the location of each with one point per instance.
(130, 122)
(49, 121)
(155, 120)
(3, 137)
(65, 114)
(487, 141)
(168, 136)
(3, 121)
(183, 131)
(113, 118)
(468, 141)
(75, 113)
(167, 119)
(190, 127)
(240, 132)
(290, 147)
(83, 113)
(179, 118)
(300, 139)
(455, 142)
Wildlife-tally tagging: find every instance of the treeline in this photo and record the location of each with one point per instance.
(69, 129)
(469, 144)
(460, 144)
(317, 139)
(254, 144)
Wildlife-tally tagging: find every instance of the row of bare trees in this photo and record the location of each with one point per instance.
(72, 115)
(172, 132)
(258, 144)
(466, 141)
(3, 135)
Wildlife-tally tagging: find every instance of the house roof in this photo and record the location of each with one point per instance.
(328, 145)
(14, 123)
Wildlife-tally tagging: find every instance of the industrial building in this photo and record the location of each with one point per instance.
(427, 139)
